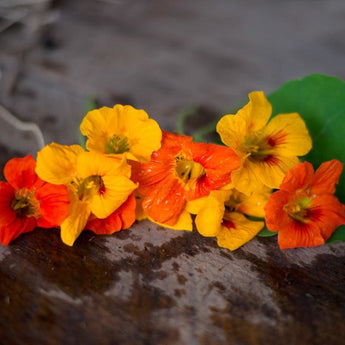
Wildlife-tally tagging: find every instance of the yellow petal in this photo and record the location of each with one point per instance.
(243, 232)
(57, 163)
(99, 125)
(74, 224)
(117, 190)
(97, 164)
(233, 130)
(246, 179)
(184, 222)
(289, 135)
(257, 112)
(272, 174)
(209, 218)
(194, 206)
(253, 205)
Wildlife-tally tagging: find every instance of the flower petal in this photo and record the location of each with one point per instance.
(20, 172)
(242, 232)
(165, 203)
(54, 205)
(16, 228)
(328, 213)
(288, 135)
(298, 234)
(232, 130)
(209, 219)
(253, 205)
(121, 218)
(97, 164)
(257, 112)
(272, 172)
(326, 177)
(184, 222)
(300, 176)
(7, 194)
(218, 161)
(57, 164)
(276, 217)
(117, 190)
(74, 224)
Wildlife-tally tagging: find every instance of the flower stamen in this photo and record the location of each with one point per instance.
(188, 169)
(117, 145)
(89, 187)
(25, 204)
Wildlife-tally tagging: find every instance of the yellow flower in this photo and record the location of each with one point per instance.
(222, 215)
(97, 184)
(267, 150)
(121, 130)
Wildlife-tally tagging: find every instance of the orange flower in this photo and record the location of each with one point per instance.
(181, 171)
(121, 219)
(304, 211)
(26, 201)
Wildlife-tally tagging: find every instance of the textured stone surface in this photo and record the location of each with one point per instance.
(150, 285)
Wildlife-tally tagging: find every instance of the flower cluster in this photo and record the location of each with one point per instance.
(132, 170)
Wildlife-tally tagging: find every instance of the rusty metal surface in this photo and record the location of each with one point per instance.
(150, 285)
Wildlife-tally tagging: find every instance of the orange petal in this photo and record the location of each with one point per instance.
(326, 177)
(54, 205)
(328, 213)
(20, 172)
(275, 216)
(165, 203)
(218, 161)
(299, 176)
(298, 234)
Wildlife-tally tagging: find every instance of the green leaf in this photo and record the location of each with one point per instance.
(320, 100)
(338, 235)
(266, 233)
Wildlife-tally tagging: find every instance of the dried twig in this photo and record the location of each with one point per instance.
(22, 126)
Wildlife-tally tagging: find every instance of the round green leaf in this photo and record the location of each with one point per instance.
(320, 100)
(266, 233)
(338, 235)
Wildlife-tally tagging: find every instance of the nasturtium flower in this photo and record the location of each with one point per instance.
(179, 171)
(121, 130)
(223, 215)
(304, 210)
(267, 149)
(98, 184)
(27, 202)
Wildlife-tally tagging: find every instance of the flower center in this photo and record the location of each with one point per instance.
(298, 208)
(117, 144)
(234, 201)
(89, 187)
(187, 170)
(257, 147)
(25, 204)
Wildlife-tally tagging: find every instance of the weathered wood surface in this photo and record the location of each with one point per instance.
(150, 285)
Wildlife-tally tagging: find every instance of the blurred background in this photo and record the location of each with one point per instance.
(163, 56)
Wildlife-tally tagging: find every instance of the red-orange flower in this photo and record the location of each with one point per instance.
(181, 171)
(26, 201)
(304, 211)
(121, 219)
